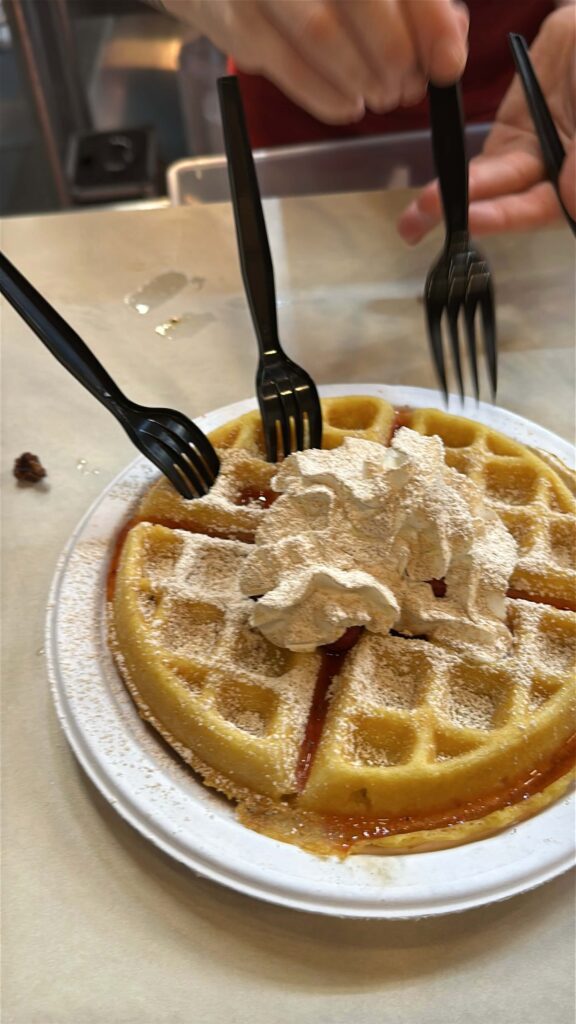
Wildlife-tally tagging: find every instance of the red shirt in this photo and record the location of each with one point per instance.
(273, 120)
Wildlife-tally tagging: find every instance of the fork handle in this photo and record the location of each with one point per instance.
(58, 336)
(553, 151)
(253, 246)
(449, 148)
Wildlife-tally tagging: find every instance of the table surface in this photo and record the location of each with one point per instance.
(99, 926)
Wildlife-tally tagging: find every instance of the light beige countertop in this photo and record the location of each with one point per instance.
(99, 926)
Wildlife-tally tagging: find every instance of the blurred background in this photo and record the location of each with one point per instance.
(72, 69)
(111, 102)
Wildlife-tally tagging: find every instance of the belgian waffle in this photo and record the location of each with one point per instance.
(395, 744)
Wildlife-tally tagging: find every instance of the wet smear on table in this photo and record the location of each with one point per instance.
(160, 290)
(186, 325)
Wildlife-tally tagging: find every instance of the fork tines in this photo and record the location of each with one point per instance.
(461, 283)
(460, 280)
(180, 449)
(290, 409)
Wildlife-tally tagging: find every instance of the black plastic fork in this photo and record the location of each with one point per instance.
(168, 438)
(460, 280)
(553, 152)
(286, 393)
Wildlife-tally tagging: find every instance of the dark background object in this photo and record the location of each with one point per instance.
(68, 67)
(107, 167)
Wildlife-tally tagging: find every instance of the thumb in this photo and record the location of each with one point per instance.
(567, 180)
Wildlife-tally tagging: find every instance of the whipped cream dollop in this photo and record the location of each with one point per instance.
(356, 538)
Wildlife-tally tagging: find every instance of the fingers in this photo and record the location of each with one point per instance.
(567, 181)
(334, 57)
(405, 42)
(419, 218)
(535, 208)
(440, 35)
(381, 34)
(367, 52)
(315, 32)
(266, 50)
(305, 87)
(489, 178)
(243, 31)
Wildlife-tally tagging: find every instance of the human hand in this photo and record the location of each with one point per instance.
(334, 58)
(507, 187)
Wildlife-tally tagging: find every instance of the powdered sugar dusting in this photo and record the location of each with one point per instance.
(200, 632)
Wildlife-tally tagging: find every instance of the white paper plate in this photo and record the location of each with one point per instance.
(163, 800)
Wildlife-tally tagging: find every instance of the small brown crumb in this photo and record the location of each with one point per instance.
(28, 468)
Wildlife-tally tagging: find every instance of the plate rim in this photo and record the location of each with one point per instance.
(263, 886)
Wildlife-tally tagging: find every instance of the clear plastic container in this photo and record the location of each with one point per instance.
(369, 163)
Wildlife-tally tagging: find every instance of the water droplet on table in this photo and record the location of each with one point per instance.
(83, 466)
(160, 290)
